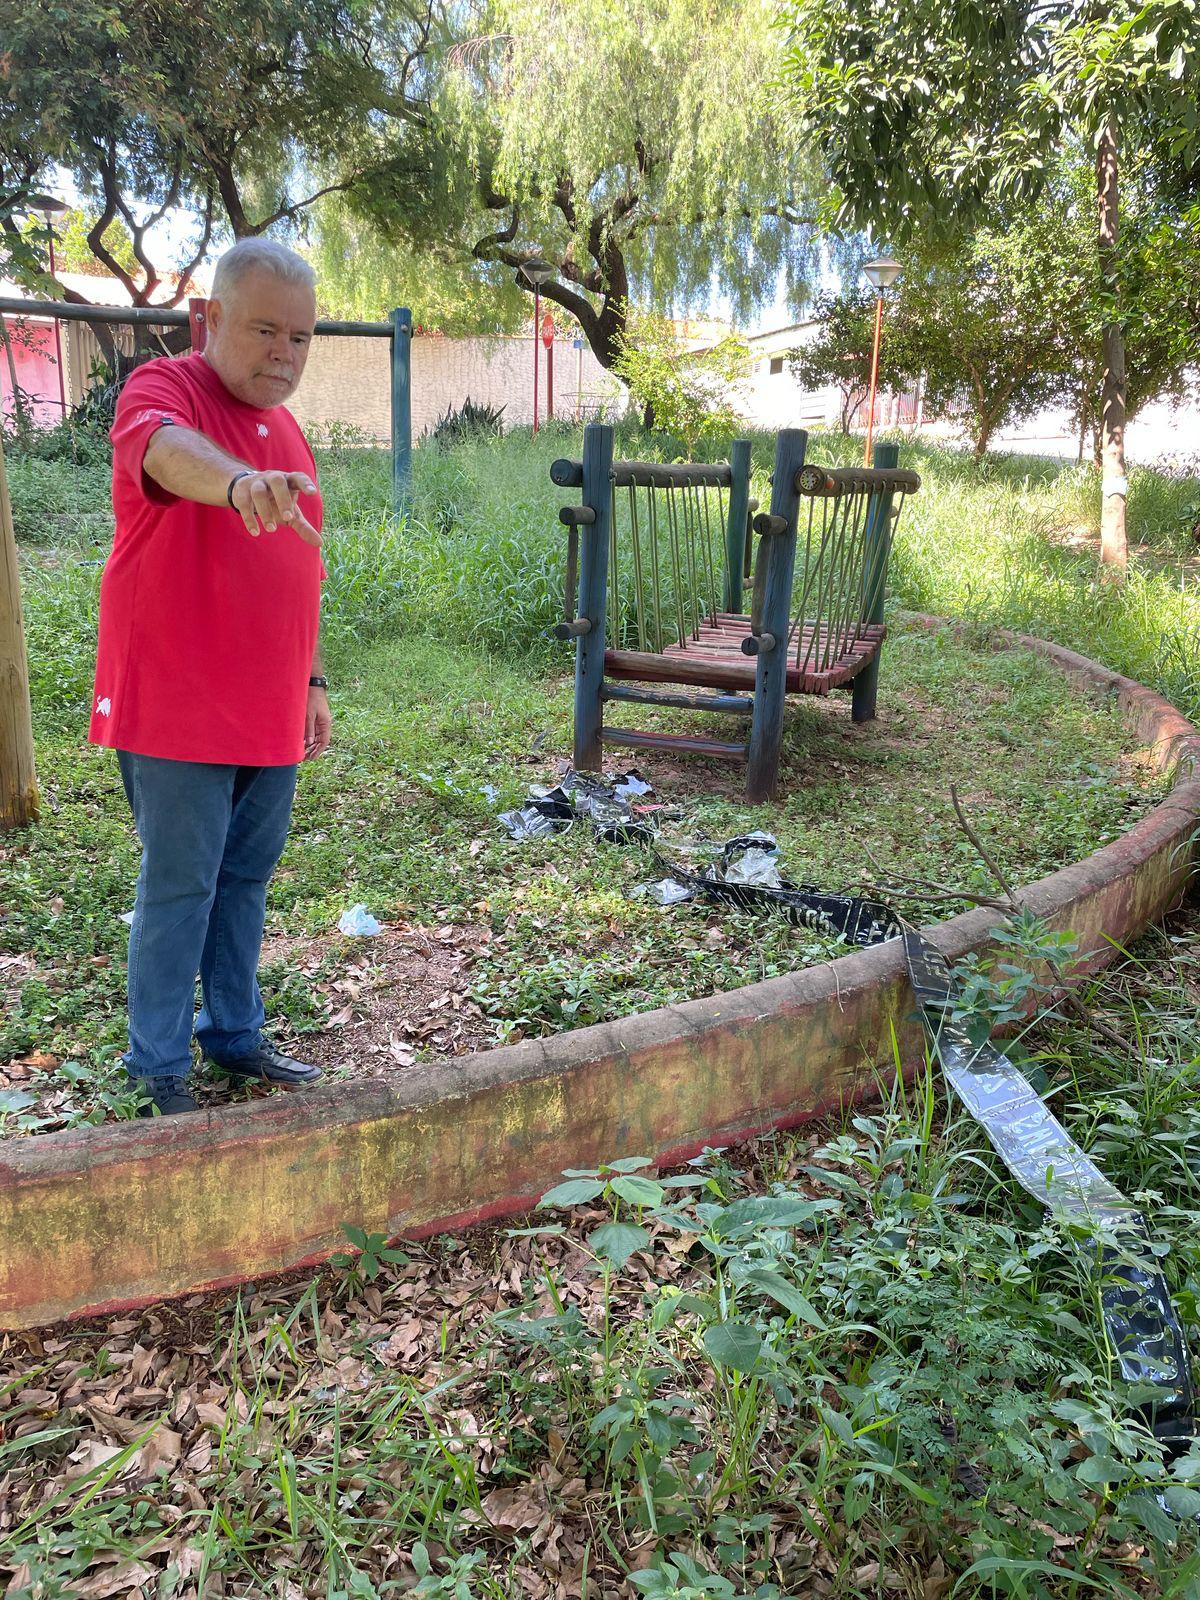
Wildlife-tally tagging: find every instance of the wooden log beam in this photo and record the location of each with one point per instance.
(734, 704)
(682, 743)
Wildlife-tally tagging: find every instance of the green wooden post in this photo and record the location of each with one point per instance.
(401, 320)
(593, 590)
(770, 683)
(877, 548)
(736, 530)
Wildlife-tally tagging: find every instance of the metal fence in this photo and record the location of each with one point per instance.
(127, 331)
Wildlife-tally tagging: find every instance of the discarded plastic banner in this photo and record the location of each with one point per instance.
(1039, 1152)
(747, 875)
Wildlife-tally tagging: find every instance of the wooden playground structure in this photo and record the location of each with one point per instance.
(656, 561)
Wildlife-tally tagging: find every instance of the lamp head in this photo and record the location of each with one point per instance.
(881, 273)
(537, 271)
(45, 203)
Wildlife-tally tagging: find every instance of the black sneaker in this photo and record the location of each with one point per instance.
(269, 1065)
(165, 1097)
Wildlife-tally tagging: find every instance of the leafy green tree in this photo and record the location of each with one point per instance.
(223, 110)
(687, 393)
(633, 144)
(363, 274)
(933, 114)
(840, 355)
(988, 345)
(72, 248)
(1007, 318)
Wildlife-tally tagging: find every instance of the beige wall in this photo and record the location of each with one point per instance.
(347, 380)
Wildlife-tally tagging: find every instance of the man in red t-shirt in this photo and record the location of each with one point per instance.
(209, 683)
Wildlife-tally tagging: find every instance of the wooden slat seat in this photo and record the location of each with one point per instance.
(714, 659)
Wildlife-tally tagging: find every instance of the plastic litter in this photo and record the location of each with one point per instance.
(752, 858)
(127, 916)
(358, 921)
(551, 808)
(666, 891)
(631, 786)
(1135, 1301)
(746, 874)
(1136, 1307)
(546, 811)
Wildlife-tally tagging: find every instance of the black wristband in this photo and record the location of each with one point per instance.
(237, 478)
(317, 683)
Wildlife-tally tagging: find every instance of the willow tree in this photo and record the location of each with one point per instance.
(362, 272)
(632, 144)
(932, 113)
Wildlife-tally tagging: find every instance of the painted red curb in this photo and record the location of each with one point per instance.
(112, 1217)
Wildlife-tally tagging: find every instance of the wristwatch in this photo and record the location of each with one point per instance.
(233, 482)
(318, 683)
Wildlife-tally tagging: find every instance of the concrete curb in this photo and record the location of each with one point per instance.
(107, 1218)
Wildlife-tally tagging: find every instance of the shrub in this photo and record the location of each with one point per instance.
(471, 421)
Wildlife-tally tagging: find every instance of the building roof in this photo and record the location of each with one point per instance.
(775, 333)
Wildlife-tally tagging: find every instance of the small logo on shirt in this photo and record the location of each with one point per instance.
(103, 706)
(263, 430)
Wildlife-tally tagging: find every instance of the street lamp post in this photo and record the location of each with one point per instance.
(536, 272)
(47, 206)
(880, 273)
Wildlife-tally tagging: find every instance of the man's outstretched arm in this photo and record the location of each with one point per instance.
(190, 465)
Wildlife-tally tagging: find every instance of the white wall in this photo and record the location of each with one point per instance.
(348, 380)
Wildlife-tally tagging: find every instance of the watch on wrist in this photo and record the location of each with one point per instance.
(236, 479)
(318, 683)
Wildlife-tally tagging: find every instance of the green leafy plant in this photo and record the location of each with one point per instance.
(687, 393)
(371, 1253)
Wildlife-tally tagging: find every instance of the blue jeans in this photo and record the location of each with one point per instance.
(211, 837)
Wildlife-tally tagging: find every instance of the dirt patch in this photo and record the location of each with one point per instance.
(398, 997)
(391, 1003)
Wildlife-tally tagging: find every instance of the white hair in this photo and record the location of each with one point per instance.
(260, 255)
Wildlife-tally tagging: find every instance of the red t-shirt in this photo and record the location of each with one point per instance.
(206, 633)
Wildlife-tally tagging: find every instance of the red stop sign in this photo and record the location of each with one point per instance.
(547, 330)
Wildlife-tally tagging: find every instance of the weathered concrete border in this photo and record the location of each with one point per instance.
(117, 1216)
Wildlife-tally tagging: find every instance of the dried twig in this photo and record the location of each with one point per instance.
(933, 894)
(984, 855)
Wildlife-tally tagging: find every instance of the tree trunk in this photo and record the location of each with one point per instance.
(1114, 547)
(648, 419)
(18, 783)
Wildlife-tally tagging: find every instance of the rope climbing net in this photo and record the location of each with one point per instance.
(842, 559)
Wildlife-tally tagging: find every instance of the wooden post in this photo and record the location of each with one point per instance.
(877, 544)
(770, 683)
(1114, 489)
(736, 530)
(401, 320)
(593, 590)
(18, 781)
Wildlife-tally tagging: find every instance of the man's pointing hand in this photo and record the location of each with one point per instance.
(272, 498)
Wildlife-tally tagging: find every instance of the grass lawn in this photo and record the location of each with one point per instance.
(930, 1408)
